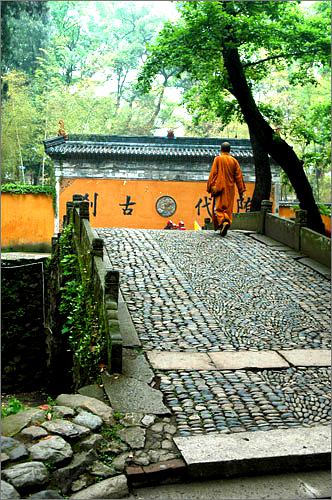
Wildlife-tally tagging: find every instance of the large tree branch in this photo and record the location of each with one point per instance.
(275, 57)
(279, 150)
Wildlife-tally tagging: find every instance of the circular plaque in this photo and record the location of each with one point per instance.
(166, 206)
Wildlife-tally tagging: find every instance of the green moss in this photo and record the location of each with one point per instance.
(82, 318)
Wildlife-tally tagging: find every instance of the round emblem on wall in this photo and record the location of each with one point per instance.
(166, 206)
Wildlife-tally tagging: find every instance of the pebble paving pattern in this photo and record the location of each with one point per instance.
(196, 291)
(238, 401)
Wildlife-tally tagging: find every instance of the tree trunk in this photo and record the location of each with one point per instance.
(262, 189)
(280, 151)
(153, 118)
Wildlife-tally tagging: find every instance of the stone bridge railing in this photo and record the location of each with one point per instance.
(294, 234)
(103, 280)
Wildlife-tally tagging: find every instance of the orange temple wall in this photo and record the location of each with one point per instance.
(106, 195)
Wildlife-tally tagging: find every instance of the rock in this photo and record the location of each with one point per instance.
(46, 494)
(100, 469)
(66, 475)
(13, 448)
(82, 482)
(133, 436)
(169, 429)
(33, 432)
(88, 419)
(166, 444)
(119, 462)
(92, 391)
(115, 487)
(141, 458)
(130, 419)
(157, 428)
(4, 458)
(93, 405)
(148, 420)
(127, 395)
(13, 424)
(91, 442)
(136, 366)
(8, 491)
(63, 411)
(66, 428)
(26, 475)
(159, 455)
(113, 446)
(54, 449)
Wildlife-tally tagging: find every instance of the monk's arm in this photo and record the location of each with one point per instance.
(212, 176)
(239, 180)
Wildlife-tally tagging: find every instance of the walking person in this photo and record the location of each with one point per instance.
(225, 174)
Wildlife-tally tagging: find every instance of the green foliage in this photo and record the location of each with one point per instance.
(106, 457)
(13, 406)
(267, 35)
(51, 401)
(27, 189)
(324, 210)
(111, 432)
(82, 322)
(22, 132)
(117, 415)
(23, 32)
(50, 466)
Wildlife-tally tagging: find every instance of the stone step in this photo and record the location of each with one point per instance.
(260, 452)
(239, 360)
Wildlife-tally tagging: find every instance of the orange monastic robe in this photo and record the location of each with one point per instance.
(225, 173)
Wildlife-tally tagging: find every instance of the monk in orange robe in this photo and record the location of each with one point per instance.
(225, 173)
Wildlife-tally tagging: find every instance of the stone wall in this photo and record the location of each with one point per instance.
(22, 335)
(316, 246)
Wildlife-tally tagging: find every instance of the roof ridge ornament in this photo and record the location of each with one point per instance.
(61, 131)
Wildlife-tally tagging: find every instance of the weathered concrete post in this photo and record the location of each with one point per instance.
(84, 210)
(55, 241)
(300, 221)
(113, 327)
(266, 207)
(98, 247)
(69, 208)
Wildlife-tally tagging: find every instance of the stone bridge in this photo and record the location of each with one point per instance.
(236, 331)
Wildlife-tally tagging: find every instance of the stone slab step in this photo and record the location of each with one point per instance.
(307, 357)
(239, 360)
(127, 394)
(246, 453)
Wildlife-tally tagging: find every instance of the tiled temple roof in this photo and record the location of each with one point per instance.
(99, 146)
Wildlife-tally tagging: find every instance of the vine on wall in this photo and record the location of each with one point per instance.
(81, 314)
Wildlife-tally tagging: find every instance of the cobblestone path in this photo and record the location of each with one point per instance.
(196, 292)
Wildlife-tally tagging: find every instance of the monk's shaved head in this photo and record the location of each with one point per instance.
(226, 147)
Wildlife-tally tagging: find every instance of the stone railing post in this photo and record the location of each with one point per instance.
(69, 208)
(113, 327)
(112, 285)
(266, 207)
(98, 247)
(55, 241)
(84, 210)
(300, 221)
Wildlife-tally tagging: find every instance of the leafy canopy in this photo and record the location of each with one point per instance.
(267, 35)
